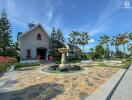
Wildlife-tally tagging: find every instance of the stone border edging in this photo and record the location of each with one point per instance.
(48, 73)
(103, 92)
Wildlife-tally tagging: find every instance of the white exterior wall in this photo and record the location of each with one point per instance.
(29, 41)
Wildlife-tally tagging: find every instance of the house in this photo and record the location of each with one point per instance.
(71, 47)
(34, 43)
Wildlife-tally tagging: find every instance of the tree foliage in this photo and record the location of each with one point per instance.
(5, 33)
(84, 38)
(122, 40)
(104, 40)
(56, 41)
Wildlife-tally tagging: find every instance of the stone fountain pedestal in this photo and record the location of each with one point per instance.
(63, 58)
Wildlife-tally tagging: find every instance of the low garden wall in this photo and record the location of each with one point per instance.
(29, 61)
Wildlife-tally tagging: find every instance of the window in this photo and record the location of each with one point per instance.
(39, 37)
(28, 53)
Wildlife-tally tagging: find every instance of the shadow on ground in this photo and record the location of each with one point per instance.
(45, 91)
(1, 74)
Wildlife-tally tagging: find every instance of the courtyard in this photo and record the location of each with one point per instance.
(29, 83)
(65, 50)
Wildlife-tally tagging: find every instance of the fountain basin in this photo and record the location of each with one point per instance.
(65, 69)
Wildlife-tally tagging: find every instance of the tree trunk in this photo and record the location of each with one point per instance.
(83, 48)
(104, 52)
(124, 51)
(108, 56)
(74, 51)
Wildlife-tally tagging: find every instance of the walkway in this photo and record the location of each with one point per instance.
(124, 89)
(6, 84)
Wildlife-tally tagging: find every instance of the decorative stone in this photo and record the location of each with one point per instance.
(89, 83)
(48, 91)
(73, 91)
(96, 77)
(99, 74)
(83, 95)
(17, 98)
(21, 92)
(33, 95)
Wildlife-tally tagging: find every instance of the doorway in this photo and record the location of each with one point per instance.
(41, 53)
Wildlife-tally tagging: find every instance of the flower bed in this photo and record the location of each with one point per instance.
(6, 62)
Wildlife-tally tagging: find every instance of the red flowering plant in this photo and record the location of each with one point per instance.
(6, 62)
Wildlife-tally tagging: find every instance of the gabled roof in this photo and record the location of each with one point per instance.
(39, 25)
(71, 46)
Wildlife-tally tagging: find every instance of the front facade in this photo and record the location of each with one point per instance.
(34, 44)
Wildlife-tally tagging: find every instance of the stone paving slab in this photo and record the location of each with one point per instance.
(103, 92)
(124, 89)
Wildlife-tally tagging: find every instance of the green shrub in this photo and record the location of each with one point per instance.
(6, 62)
(4, 67)
(57, 61)
(20, 65)
(73, 59)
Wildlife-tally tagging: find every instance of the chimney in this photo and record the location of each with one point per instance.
(31, 25)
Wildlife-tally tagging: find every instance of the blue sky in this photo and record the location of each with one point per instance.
(97, 17)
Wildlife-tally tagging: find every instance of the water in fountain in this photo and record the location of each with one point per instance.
(63, 67)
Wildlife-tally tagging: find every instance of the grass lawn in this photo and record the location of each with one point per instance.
(124, 65)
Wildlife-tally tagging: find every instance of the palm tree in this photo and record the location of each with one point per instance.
(114, 42)
(73, 39)
(130, 49)
(122, 40)
(130, 35)
(104, 40)
(84, 38)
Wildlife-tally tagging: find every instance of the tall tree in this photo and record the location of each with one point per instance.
(130, 44)
(73, 39)
(84, 38)
(91, 53)
(104, 40)
(130, 35)
(56, 41)
(5, 32)
(122, 40)
(114, 42)
(99, 51)
(130, 49)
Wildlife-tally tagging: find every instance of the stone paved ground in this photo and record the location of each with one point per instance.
(32, 85)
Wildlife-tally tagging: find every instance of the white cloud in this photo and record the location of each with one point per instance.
(14, 13)
(110, 9)
(96, 30)
(91, 41)
(20, 16)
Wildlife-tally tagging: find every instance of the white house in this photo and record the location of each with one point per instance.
(70, 53)
(34, 43)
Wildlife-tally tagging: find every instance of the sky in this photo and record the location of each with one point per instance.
(97, 17)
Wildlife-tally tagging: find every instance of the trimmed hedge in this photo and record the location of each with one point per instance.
(19, 65)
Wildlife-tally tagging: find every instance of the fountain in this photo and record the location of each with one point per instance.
(63, 67)
(63, 59)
